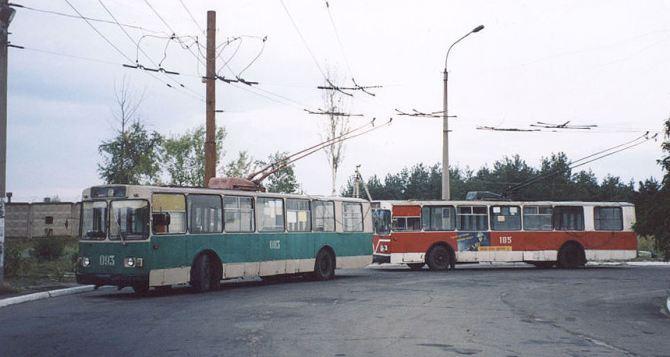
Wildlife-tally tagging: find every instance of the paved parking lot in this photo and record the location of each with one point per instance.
(474, 310)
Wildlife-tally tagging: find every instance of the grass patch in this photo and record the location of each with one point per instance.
(40, 260)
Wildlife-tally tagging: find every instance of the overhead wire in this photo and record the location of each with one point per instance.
(191, 16)
(339, 41)
(140, 49)
(304, 42)
(58, 13)
(593, 157)
(112, 44)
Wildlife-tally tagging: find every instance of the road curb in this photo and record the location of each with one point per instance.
(45, 295)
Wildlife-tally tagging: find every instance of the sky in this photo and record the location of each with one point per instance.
(587, 62)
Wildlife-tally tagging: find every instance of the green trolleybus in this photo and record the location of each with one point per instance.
(144, 236)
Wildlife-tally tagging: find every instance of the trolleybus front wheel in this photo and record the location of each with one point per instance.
(324, 266)
(439, 258)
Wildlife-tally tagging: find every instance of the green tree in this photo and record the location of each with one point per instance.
(652, 203)
(131, 157)
(183, 156)
(284, 180)
(241, 167)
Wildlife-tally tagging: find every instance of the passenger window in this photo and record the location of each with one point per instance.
(568, 218)
(205, 214)
(472, 218)
(352, 216)
(407, 224)
(238, 213)
(270, 214)
(324, 216)
(168, 213)
(537, 218)
(298, 215)
(438, 218)
(505, 218)
(608, 218)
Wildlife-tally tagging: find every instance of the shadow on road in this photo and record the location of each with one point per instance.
(226, 285)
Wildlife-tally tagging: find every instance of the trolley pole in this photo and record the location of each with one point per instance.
(210, 100)
(6, 16)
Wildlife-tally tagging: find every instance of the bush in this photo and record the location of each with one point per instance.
(49, 248)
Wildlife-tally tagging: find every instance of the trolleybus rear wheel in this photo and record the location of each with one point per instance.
(324, 266)
(438, 258)
(416, 266)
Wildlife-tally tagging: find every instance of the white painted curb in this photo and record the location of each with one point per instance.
(45, 295)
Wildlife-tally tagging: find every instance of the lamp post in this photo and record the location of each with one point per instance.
(446, 194)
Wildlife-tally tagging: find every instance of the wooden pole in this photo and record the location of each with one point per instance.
(210, 101)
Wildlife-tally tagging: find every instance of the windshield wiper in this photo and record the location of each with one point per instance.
(121, 233)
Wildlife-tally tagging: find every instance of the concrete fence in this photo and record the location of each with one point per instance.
(44, 219)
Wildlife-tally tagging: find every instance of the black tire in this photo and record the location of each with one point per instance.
(571, 256)
(324, 266)
(439, 258)
(204, 274)
(141, 289)
(416, 266)
(544, 265)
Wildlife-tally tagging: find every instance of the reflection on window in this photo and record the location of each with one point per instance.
(168, 213)
(569, 218)
(505, 218)
(608, 218)
(270, 214)
(129, 220)
(537, 218)
(352, 217)
(238, 214)
(324, 216)
(438, 218)
(472, 218)
(297, 215)
(407, 224)
(205, 214)
(94, 220)
(382, 221)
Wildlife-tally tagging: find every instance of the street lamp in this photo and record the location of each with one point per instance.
(445, 122)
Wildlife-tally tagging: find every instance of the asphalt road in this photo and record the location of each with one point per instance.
(476, 310)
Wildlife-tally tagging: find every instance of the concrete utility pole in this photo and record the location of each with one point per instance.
(210, 100)
(446, 194)
(6, 16)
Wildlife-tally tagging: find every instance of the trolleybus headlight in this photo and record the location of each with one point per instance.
(132, 262)
(85, 261)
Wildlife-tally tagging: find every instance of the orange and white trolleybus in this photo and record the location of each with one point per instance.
(441, 234)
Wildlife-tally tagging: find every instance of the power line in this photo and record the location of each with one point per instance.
(191, 16)
(51, 12)
(98, 32)
(111, 44)
(136, 43)
(174, 32)
(593, 157)
(304, 42)
(339, 41)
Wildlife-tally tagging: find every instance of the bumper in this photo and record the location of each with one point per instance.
(119, 280)
(381, 259)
